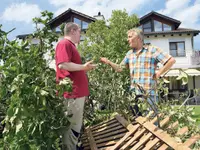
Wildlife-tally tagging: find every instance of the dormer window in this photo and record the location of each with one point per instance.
(167, 27)
(147, 27)
(77, 21)
(83, 25)
(159, 26)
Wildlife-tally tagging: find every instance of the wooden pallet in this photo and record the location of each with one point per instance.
(142, 134)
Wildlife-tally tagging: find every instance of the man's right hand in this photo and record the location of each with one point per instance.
(89, 66)
(104, 60)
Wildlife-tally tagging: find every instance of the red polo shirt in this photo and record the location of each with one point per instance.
(66, 52)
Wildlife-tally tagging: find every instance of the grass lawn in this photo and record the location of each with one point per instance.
(197, 114)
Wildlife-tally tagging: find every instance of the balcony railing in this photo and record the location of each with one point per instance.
(195, 58)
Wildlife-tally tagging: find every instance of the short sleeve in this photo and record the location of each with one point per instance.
(160, 56)
(126, 59)
(63, 53)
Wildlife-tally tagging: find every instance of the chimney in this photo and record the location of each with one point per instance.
(99, 16)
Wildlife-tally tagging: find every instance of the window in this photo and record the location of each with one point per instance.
(83, 25)
(147, 27)
(177, 49)
(77, 21)
(157, 26)
(166, 27)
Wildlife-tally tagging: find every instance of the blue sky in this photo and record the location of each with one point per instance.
(19, 13)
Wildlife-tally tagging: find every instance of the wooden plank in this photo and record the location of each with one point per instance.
(128, 134)
(91, 140)
(182, 131)
(107, 144)
(136, 136)
(110, 138)
(164, 121)
(123, 130)
(191, 140)
(163, 147)
(113, 121)
(174, 125)
(121, 120)
(142, 141)
(106, 127)
(161, 135)
(154, 120)
(104, 122)
(87, 148)
(151, 144)
(107, 131)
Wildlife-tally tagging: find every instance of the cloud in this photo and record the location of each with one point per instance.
(187, 12)
(91, 7)
(21, 12)
(59, 3)
(197, 2)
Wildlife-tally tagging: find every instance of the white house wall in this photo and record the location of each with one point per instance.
(163, 43)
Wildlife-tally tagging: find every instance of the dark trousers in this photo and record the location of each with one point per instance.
(135, 109)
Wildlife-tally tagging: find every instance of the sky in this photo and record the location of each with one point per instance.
(19, 13)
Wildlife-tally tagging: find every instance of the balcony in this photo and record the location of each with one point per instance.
(195, 58)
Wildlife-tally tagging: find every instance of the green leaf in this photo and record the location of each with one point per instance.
(25, 147)
(43, 93)
(18, 126)
(184, 80)
(166, 81)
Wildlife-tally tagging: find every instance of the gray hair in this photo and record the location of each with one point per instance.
(70, 26)
(138, 31)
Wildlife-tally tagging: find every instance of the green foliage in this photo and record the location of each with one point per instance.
(34, 114)
(183, 77)
(184, 115)
(107, 87)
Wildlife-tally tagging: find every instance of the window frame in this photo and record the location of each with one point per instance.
(162, 26)
(147, 27)
(81, 23)
(176, 43)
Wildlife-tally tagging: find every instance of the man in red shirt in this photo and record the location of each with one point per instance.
(68, 64)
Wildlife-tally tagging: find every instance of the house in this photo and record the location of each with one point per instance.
(69, 15)
(164, 32)
(55, 24)
(159, 30)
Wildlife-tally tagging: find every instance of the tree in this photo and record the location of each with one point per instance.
(34, 113)
(106, 87)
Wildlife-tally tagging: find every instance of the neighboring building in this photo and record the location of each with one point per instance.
(70, 15)
(159, 30)
(164, 32)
